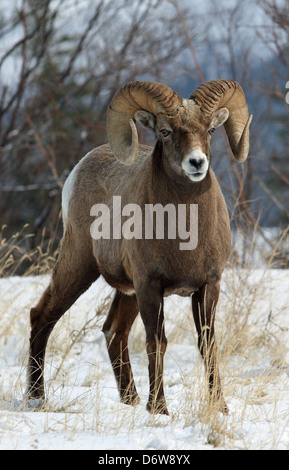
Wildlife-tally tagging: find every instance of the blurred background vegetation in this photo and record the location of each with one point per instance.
(61, 61)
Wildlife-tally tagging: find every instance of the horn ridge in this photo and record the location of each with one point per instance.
(153, 97)
(213, 95)
(208, 94)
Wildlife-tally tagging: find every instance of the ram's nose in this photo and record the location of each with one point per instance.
(195, 165)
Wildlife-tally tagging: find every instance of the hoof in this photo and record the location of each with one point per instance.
(27, 404)
(34, 403)
(224, 408)
(157, 408)
(34, 391)
(131, 400)
(219, 405)
(34, 398)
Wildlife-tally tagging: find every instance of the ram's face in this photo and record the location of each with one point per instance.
(185, 139)
(186, 144)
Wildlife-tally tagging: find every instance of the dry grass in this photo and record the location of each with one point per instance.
(17, 258)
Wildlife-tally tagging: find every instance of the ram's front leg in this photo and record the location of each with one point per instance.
(204, 304)
(150, 303)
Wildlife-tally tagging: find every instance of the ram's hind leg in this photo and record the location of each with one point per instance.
(116, 328)
(73, 274)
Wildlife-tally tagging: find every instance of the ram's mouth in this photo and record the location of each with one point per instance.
(197, 176)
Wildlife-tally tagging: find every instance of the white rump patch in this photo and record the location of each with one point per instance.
(67, 190)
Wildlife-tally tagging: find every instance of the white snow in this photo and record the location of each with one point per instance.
(83, 411)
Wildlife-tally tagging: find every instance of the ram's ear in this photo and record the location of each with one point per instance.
(221, 116)
(146, 119)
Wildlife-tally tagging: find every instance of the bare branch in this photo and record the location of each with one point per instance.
(28, 187)
(189, 39)
(48, 153)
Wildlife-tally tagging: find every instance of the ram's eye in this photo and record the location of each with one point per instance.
(211, 131)
(165, 132)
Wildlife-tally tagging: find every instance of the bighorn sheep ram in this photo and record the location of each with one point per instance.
(143, 271)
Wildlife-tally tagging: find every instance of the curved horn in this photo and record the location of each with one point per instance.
(216, 94)
(122, 133)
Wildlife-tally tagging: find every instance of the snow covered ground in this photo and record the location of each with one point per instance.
(83, 409)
